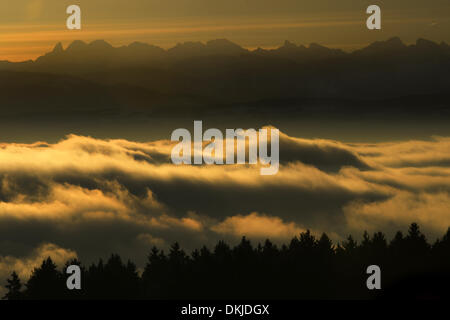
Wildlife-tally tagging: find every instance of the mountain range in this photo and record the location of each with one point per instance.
(219, 76)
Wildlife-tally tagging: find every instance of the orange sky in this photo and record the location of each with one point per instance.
(31, 28)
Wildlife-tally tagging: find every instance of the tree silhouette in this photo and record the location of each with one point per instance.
(46, 282)
(14, 286)
(306, 268)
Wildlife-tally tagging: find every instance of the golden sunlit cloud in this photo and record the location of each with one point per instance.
(119, 168)
(133, 196)
(24, 266)
(258, 226)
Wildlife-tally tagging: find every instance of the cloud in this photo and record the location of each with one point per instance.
(24, 266)
(99, 197)
(412, 153)
(326, 155)
(148, 239)
(258, 226)
(429, 210)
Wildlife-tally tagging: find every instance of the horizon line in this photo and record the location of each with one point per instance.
(250, 49)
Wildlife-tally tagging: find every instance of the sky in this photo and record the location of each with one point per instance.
(29, 28)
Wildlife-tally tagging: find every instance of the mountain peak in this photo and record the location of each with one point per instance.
(224, 46)
(392, 43)
(100, 44)
(316, 46)
(423, 43)
(378, 47)
(77, 45)
(138, 44)
(58, 48)
(395, 41)
(289, 45)
(220, 42)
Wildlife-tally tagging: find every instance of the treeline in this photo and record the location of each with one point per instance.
(306, 268)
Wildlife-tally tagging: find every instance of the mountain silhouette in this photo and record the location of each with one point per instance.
(219, 75)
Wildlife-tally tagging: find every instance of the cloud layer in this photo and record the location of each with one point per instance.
(87, 197)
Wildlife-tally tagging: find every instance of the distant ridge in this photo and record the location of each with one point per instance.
(194, 76)
(102, 49)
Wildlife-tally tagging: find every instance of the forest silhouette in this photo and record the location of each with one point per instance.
(308, 267)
